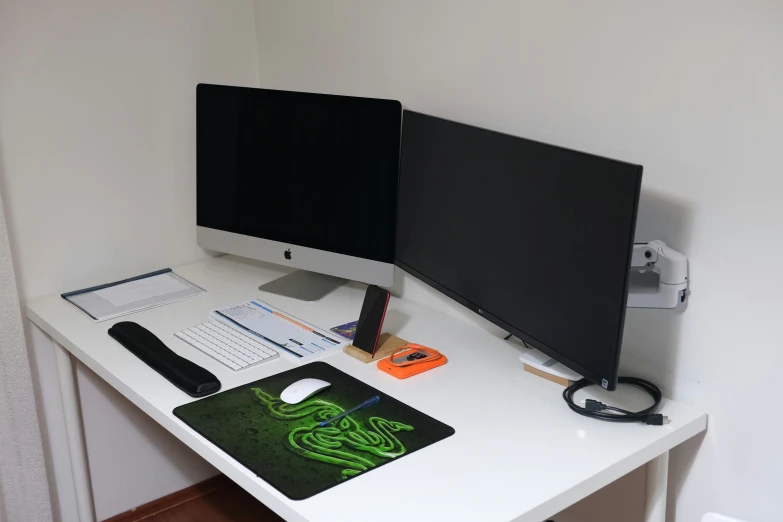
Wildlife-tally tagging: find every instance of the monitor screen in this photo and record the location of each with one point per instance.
(536, 238)
(312, 170)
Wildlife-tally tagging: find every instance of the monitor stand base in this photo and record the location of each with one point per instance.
(547, 368)
(304, 285)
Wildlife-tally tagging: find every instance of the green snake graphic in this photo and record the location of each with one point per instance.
(341, 443)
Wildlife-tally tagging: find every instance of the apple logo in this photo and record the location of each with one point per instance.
(287, 254)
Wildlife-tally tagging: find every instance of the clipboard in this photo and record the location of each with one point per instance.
(111, 300)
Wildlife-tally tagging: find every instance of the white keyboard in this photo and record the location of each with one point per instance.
(234, 349)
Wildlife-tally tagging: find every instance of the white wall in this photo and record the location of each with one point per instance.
(97, 170)
(98, 129)
(691, 90)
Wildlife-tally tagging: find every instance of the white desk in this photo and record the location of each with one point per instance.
(515, 437)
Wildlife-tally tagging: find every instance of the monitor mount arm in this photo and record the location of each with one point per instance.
(659, 276)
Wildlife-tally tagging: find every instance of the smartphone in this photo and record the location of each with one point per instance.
(376, 300)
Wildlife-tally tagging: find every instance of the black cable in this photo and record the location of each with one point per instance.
(506, 338)
(598, 410)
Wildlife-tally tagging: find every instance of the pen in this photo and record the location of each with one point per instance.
(368, 402)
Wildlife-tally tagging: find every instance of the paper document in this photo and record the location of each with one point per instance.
(142, 289)
(278, 330)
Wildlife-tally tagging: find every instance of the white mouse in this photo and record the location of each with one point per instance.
(303, 389)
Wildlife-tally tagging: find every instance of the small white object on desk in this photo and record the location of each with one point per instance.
(234, 349)
(302, 390)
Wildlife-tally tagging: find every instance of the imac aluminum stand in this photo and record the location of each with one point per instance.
(304, 285)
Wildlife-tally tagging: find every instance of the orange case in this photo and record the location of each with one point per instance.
(403, 372)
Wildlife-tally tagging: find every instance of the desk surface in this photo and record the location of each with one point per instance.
(519, 454)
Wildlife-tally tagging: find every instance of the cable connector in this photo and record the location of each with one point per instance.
(593, 405)
(656, 419)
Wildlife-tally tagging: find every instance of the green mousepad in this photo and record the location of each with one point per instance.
(284, 444)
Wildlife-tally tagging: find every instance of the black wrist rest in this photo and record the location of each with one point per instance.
(182, 373)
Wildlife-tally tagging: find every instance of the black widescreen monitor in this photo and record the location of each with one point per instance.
(533, 237)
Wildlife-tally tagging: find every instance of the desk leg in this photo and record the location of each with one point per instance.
(657, 485)
(75, 433)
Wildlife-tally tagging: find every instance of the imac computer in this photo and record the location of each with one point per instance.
(303, 180)
(533, 237)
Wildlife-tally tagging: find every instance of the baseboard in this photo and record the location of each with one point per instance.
(171, 501)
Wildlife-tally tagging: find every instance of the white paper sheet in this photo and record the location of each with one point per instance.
(278, 330)
(136, 291)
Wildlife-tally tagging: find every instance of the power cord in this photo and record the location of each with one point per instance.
(598, 410)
